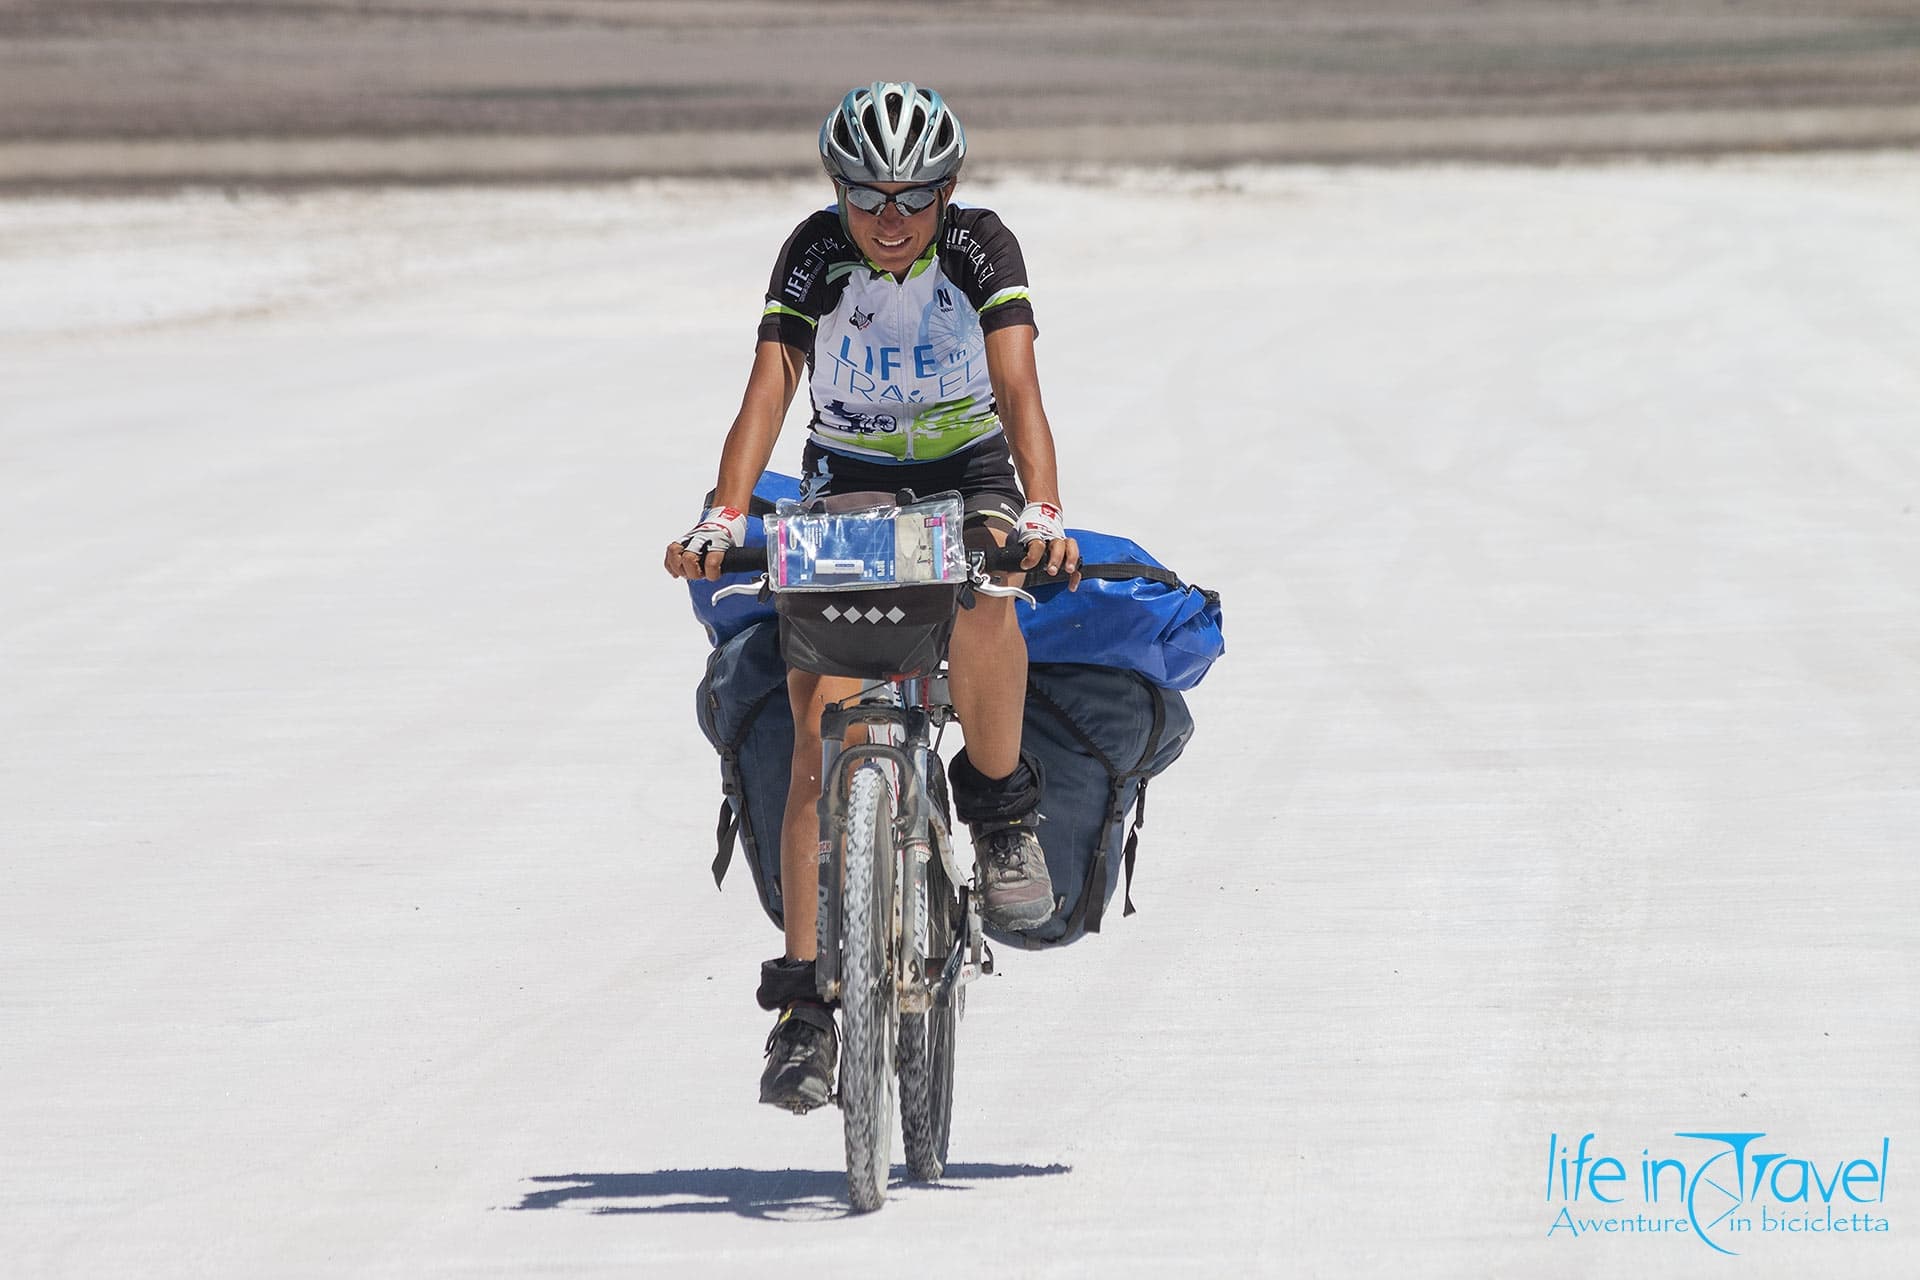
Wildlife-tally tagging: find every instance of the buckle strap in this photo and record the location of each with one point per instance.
(807, 1013)
(723, 833)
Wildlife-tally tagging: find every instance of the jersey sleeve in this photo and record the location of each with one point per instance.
(983, 258)
(797, 293)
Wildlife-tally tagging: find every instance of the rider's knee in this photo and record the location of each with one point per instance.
(987, 632)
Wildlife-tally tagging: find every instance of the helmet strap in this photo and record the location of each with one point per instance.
(840, 203)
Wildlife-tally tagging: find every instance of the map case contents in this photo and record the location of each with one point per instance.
(878, 547)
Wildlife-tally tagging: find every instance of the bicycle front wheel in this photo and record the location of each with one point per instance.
(868, 1016)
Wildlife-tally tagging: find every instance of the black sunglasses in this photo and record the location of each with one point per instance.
(909, 202)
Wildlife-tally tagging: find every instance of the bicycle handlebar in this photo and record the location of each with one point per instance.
(999, 560)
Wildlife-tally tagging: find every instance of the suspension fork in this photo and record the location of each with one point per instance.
(838, 762)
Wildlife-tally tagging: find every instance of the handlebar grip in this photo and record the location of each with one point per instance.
(1004, 559)
(1007, 560)
(743, 560)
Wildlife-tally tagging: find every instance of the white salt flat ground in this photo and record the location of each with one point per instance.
(1562, 776)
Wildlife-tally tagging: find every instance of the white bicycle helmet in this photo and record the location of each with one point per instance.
(889, 132)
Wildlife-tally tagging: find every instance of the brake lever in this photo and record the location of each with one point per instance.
(979, 579)
(763, 588)
(984, 584)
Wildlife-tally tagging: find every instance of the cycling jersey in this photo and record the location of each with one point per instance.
(898, 368)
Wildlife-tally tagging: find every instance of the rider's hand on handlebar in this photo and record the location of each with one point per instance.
(698, 554)
(1044, 535)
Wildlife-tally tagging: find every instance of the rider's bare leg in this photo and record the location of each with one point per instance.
(801, 1051)
(988, 666)
(993, 793)
(800, 829)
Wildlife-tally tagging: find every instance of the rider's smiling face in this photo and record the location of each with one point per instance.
(894, 241)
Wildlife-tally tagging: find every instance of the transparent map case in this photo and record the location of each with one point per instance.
(886, 546)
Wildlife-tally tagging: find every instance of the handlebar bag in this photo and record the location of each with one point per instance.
(874, 628)
(875, 635)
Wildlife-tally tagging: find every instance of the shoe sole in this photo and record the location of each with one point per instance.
(799, 1104)
(1020, 917)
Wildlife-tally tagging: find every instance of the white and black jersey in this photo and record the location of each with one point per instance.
(899, 367)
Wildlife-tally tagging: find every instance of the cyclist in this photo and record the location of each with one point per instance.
(910, 318)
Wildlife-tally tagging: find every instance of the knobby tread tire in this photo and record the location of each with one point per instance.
(867, 1006)
(927, 1049)
(926, 1091)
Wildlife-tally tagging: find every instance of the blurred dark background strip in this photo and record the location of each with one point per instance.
(561, 88)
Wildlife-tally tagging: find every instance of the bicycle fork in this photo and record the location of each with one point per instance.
(921, 980)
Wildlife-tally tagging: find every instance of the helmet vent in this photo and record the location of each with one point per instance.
(843, 136)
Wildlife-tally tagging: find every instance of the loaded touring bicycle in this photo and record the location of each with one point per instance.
(868, 586)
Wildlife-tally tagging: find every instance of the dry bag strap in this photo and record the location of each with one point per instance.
(1133, 847)
(733, 792)
(723, 833)
(1140, 770)
(1122, 570)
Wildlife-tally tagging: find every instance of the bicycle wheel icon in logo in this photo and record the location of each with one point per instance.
(1710, 1202)
(954, 333)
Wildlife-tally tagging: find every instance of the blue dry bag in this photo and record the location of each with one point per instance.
(1130, 612)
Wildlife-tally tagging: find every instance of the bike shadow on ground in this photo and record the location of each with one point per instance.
(771, 1194)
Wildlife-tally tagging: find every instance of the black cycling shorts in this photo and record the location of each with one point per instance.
(982, 475)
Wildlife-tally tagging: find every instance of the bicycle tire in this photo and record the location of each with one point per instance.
(868, 1011)
(927, 1046)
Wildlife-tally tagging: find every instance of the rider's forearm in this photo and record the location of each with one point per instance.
(1030, 440)
(748, 449)
(1016, 395)
(756, 428)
